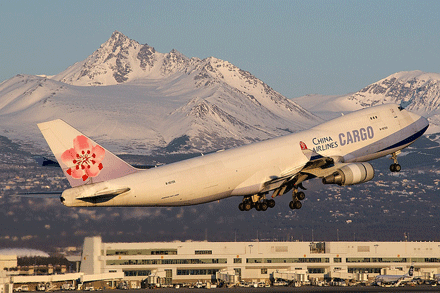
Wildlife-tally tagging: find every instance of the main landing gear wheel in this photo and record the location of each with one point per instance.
(270, 203)
(300, 195)
(247, 206)
(258, 203)
(295, 205)
(261, 206)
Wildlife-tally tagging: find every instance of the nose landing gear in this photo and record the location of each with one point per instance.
(395, 167)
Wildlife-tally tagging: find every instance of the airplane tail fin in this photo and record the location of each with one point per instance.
(82, 160)
(411, 271)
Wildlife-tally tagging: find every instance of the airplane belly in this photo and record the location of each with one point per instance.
(180, 188)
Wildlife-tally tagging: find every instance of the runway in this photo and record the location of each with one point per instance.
(333, 289)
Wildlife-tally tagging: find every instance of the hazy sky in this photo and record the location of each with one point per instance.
(296, 47)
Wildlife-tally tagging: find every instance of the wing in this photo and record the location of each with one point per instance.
(317, 166)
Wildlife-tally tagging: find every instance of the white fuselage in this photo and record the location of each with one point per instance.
(360, 136)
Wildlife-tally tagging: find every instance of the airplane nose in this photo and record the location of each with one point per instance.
(421, 122)
(424, 122)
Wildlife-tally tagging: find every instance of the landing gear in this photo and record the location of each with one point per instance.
(271, 203)
(258, 201)
(245, 206)
(395, 167)
(261, 206)
(295, 204)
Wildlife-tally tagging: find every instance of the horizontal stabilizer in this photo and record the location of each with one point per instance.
(144, 166)
(40, 194)
(104, 193)
(45, 162)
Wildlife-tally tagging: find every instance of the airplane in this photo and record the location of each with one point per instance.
(336, 151)
(396, 280)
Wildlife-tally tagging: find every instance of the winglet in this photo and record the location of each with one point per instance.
(310, 155)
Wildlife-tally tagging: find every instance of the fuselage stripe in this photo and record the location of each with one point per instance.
(407, 140)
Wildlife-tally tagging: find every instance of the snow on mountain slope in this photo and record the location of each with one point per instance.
(121, 59)
(402, 86)
(424, 87)
(133, 99)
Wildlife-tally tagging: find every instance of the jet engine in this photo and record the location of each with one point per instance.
(350, 174)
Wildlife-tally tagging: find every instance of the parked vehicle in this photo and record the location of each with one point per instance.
(67, 287)
(22, 288)
(123, 285)
(43, 286)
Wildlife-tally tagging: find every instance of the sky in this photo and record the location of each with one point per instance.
(296, 47)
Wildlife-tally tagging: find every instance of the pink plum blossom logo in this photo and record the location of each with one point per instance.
(86, 158)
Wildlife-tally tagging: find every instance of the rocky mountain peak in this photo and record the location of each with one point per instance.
(118, 39)
(424, 87)
(175, 61)
(116, 61)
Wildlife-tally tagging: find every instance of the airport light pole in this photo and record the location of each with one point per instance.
(250, 248)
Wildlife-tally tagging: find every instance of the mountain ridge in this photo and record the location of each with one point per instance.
(133, 99)
(421, 88)
(125, 91)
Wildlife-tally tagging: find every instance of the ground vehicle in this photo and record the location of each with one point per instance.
(67, 287)
(22, 288)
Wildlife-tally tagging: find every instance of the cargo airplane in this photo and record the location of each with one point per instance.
(336, 151)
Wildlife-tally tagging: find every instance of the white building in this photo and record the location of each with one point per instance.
(6, 262)
(191, 261)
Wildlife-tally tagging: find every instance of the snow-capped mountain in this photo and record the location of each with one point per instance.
(423, 89)
(131, 98)
(121, 59)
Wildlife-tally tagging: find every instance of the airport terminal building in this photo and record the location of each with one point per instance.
(192, 261)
